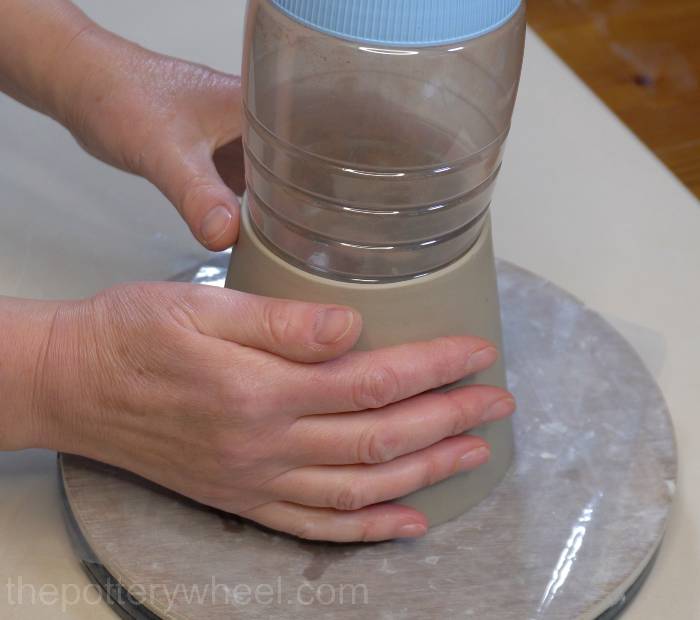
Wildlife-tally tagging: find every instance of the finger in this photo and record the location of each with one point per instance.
(372, 380)
(352, 487)
(380, 436)
(190, 180)
(372, 524)
(297, 331)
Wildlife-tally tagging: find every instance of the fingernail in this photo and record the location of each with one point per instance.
(500, 409)
(333, 325)
(482, 359)
(474, 458)
(411, 530)
(215, 224)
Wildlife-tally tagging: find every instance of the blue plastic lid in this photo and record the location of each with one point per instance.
(411, 23)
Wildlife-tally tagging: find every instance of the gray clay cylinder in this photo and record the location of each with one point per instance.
(459, 299)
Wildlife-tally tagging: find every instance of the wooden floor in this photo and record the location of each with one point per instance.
(642, 57)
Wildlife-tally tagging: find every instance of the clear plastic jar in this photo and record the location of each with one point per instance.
(369, 161)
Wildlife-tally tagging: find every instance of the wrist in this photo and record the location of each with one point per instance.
(79, 77)
(26, 334)
(96, 93)
(73, 70)
(32, 73)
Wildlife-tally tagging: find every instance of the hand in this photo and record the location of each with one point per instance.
(254, 406)
(173, 122)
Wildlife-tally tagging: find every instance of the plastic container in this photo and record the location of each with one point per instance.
(375, 129)
(374, 132)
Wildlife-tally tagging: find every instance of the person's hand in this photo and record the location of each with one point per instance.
(254, 406)
(173, 122)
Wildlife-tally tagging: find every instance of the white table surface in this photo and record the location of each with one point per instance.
(581, 201)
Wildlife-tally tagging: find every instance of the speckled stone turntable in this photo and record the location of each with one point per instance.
(571, 533)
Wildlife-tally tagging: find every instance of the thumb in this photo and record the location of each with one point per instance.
(192, 183)
(297, 331)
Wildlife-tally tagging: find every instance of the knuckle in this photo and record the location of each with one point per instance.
(365, 532)
(251, 413)
(236, 408)
(350, 496)
(183, 309)
(242, 393)
(447, 366)
(225, 453)
(458, 411)
(241, 400)
(431, 473)
(232, 455)
(376, 446)
(376, 388)
(229, 398)
(192, 297)
(194, 188)
(303, 529)
(279, 324)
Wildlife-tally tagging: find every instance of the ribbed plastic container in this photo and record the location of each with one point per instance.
(375, 129)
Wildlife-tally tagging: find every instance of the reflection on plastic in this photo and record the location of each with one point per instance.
(569, 553)
(214, 272)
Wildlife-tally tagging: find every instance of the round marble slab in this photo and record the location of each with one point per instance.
(567, 535)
